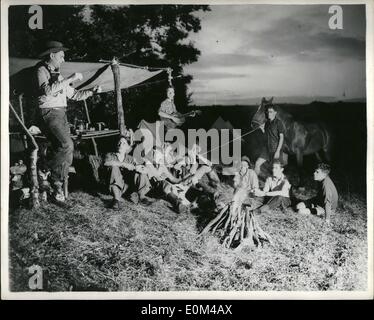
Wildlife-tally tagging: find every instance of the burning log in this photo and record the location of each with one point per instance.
(235, 223)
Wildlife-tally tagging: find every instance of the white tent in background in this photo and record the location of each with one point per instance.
(221, 124)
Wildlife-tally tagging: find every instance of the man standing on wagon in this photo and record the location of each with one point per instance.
(274, 132)
(52, 92)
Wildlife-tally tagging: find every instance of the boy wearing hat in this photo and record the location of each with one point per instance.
(52, 93)
(245, 183)
(246, 177)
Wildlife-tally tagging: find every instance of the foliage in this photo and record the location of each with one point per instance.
(151, 35)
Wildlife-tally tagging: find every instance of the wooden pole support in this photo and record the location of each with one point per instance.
(20, 101)
(66, 187)
(117, 88)
(89, 121)
(86, 110)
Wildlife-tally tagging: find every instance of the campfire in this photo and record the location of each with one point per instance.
(236, 224)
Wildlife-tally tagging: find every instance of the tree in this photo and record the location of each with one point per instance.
(152, 35)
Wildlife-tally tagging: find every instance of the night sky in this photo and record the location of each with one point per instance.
(286, 51)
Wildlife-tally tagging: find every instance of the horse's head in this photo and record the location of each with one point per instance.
(259, 117)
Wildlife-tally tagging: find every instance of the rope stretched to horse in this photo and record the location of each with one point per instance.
(239, 137)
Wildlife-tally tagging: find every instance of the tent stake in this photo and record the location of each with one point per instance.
(117, 87)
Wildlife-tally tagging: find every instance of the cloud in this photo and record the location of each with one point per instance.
(230, 60)
(284, 50)
(289, 37)
(218, 75)
(339, 45)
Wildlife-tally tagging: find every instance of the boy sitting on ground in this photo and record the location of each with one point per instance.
(198, 166)
(326, 201)
(245, 182)
(165, 181)
(276, 190)
(123, 169)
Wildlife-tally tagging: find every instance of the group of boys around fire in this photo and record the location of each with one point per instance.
(172, 175)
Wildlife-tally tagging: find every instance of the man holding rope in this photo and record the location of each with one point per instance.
(274, 132)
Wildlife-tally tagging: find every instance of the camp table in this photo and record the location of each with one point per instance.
(90, 134)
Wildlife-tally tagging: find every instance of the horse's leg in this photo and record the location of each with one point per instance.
(299, 159)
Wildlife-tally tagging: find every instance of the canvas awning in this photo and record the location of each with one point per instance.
(22, 71)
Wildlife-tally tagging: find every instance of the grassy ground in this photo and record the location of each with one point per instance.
(92, 247)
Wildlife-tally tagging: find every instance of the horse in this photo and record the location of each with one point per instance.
(301, 138)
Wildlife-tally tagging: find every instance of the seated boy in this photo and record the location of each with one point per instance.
(326, 201)
(245, 184)
(122, 168)
(197, 166)
(276, 190)
(168, 112)
(165, 181)
(246, 178)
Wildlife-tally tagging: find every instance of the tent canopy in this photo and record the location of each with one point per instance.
(22, 73)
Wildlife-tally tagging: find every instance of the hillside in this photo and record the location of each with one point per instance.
(142, 248)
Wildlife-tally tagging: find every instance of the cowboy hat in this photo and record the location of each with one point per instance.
(246, 159)
(52, 47)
